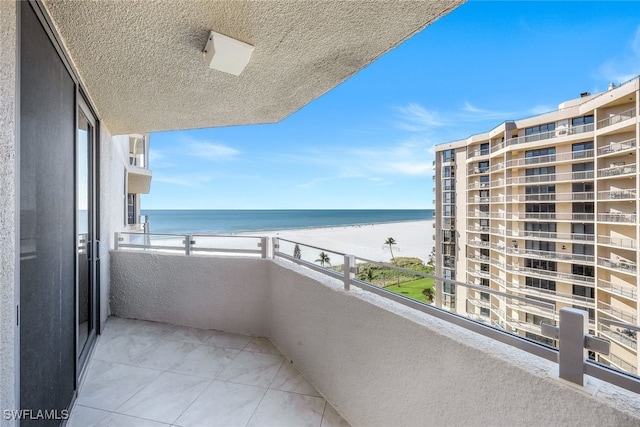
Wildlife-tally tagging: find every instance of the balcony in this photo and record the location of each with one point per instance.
(617, 118)
(618, 289)
(618, 242)
(340, 331)
(616, 170)
(627, 267)
(150, 371)
(620, 194)
(552, 197)
(624, 337)
(617, 217)
(551, 158)
(615, 147)
(617, 313)
(553, 177)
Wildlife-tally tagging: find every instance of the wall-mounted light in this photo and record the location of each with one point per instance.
(226, 54)
(564, 247)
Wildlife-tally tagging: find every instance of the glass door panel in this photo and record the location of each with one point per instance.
(83, 229)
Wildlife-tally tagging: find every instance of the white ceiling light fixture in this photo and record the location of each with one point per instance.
(226, 54)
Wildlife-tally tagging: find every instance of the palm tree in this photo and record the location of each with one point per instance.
(367, 275)
(429, 294)
(390, 241)
(297, 253)
(324, 259)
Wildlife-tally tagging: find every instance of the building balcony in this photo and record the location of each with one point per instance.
(547, 235)
(478, 153)
(477, 243)
(554, 295)
(616, 118)
(626, 291)
(552, 177)
(618, 242)
(617, 313)
(475, 170)
(616, 170)
(617, 217)
(551, 197)
(621, 194)
(544, 136)
(552, 158)
(315, 317)
(551, 216)
(617, 147)
(153, 373)
(557, 275)
(624, 337)
(627, 267)
(558, 255)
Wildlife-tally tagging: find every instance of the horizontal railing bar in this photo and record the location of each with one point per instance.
(310, 246)
(605, 373)
(619, 323)
(242, 251)
(309, 264)
(143, 246)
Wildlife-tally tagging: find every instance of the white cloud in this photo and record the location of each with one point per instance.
(184, 180)
(619, 70)
(210, 150)
(414, 117)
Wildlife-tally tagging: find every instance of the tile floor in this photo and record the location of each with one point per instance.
(155, 374)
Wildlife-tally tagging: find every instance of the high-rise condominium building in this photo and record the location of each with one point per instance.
(546, 208)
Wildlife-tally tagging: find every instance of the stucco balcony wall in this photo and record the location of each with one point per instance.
(377, 362)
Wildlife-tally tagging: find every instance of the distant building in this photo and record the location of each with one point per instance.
(546, 208)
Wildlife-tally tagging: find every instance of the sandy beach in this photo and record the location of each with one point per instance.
(413, 239)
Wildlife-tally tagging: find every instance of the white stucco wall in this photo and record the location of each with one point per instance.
(229, 294)
(114, 154)
(8, 215)
(377, 362)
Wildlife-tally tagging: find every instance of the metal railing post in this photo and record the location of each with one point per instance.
(187, 244)
(275, 244)
(349, 270)
(263, 247)
(116, 240)
(574, 340)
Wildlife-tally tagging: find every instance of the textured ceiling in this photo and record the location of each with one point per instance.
(142, 61)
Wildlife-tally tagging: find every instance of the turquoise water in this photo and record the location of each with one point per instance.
(234, 221)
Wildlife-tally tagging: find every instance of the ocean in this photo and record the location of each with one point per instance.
(236, 221)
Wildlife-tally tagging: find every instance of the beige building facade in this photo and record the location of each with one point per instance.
(546, 208)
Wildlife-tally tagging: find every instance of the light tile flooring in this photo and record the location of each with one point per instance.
(155, 374)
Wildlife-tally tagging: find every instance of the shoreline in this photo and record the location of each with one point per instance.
(413, 239)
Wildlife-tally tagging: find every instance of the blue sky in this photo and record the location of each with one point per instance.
(368, 143)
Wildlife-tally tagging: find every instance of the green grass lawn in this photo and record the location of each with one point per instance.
(412, 289)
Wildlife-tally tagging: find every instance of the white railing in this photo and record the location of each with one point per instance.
(550, 158)
(618, 265)
(614, 147)
(621, 194)
(618, 313)
(552, 197)
(618, 289)
(555, 216)
(622, 242)
(557, 177)
(573, 278)
(617, 118)
(626, 337)
(616, 170)
(552, 235)
(192, 244)
(551, 255)
(617, 217)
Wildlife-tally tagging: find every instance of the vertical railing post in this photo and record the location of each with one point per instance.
(263, 247)
(116, 241)
(349, 270)
(275, 244)
(573, 329)
(187, 244)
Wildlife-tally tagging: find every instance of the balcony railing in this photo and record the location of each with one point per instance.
(553, 177)
(551, 255)
(478, 153)
(617, 118)
(626, 194)
(618, 289)
(617, 217)
(553, 235)
(621, 242)
(552, 197)
(555, 216)
(573, 278)
(624, 266)
(345, 268)
(614, 147)
(542, 136)
(616, 171)
(618, 313)
(551, 158)
(626, 337)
